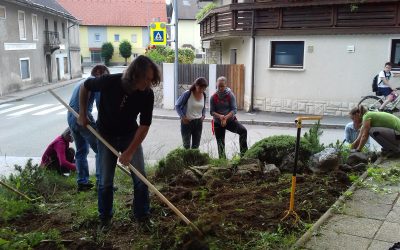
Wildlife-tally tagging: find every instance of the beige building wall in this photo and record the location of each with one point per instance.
(189, 33)
(332, 80)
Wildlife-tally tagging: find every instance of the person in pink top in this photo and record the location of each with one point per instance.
(58, 155)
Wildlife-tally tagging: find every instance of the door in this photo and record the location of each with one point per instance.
(48, 66)
(233, 56)
(58, 69)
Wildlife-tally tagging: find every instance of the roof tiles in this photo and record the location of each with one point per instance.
(116, 12)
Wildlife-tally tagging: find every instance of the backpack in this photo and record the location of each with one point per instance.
(375, 84)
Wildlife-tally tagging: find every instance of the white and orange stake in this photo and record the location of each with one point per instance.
(298, 122)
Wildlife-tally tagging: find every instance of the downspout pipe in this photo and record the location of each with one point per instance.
(253, 54)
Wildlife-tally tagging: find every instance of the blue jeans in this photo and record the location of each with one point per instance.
(192, 131)
(141, 202)
(83, 139)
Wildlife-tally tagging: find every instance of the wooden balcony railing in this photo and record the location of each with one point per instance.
(365, 17)
(51, 41)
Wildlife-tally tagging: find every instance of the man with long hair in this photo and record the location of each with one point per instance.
(123, 97)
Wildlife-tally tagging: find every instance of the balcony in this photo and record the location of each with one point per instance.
(52, 41)
(300, 17)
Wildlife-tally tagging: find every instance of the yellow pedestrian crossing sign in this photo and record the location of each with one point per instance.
(158, 33)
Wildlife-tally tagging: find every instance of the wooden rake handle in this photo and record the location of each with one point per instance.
(134, 170)
(16, 191)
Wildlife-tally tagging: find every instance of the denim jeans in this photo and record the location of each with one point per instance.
(235, 127)
(141, 202)
(83, 139)
(192, 131)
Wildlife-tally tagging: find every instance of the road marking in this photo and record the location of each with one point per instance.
(15, 108)
(63, 112)
(44, 112)
(5, 105)
(31, 109)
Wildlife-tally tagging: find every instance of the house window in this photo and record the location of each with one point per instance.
(95, 56)
(395, 53)
(25, 68)
(116, 38)
(134, 38)
(65, 65)
(287, 54)
(2, 12)
(135, 55)
(97, 37)
(35, 33)
(63, 29)
(55, 26)
(21, 25)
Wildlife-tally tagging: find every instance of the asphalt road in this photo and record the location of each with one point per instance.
(29, 125)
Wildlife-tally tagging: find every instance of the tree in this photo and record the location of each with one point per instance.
(125, 49)
(107, 51)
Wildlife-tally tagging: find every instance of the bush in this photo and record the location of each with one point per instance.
(273, 149)
(203, 12)
(178, 160)
(107, 51)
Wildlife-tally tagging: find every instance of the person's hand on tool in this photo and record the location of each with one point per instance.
(125, 158)
(83, 120)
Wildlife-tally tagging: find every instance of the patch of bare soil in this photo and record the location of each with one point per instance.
(228, 212)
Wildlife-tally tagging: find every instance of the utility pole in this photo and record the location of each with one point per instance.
(176, 62)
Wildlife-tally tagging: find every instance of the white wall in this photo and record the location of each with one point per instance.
(189, 33)
(243, 48)
(332, 81)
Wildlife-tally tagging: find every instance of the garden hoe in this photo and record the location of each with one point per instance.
(18, 192)
(291, 211)
(136, 172)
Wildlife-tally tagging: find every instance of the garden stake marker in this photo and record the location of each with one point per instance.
(136, 172)
(291, 211)
(17, 192)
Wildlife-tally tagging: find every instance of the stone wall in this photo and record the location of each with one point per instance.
(303, 106)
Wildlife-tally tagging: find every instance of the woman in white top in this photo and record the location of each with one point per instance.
(191, 109)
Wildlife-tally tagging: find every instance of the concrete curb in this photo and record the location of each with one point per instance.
(39, 90)
(259, 122)
(307, 235)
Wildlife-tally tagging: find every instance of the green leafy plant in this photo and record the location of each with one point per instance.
(125, 50)
(11, 239)
(161, 54)
(203, 12)
(107, 51)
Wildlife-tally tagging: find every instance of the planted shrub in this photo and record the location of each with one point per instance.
(179, 159)
(312, 136)
(272, 149)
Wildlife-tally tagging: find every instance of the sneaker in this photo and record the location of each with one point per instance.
(85, 186)
(105, 225)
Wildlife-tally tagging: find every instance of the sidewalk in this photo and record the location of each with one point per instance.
(257, 118)
(368, 219)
